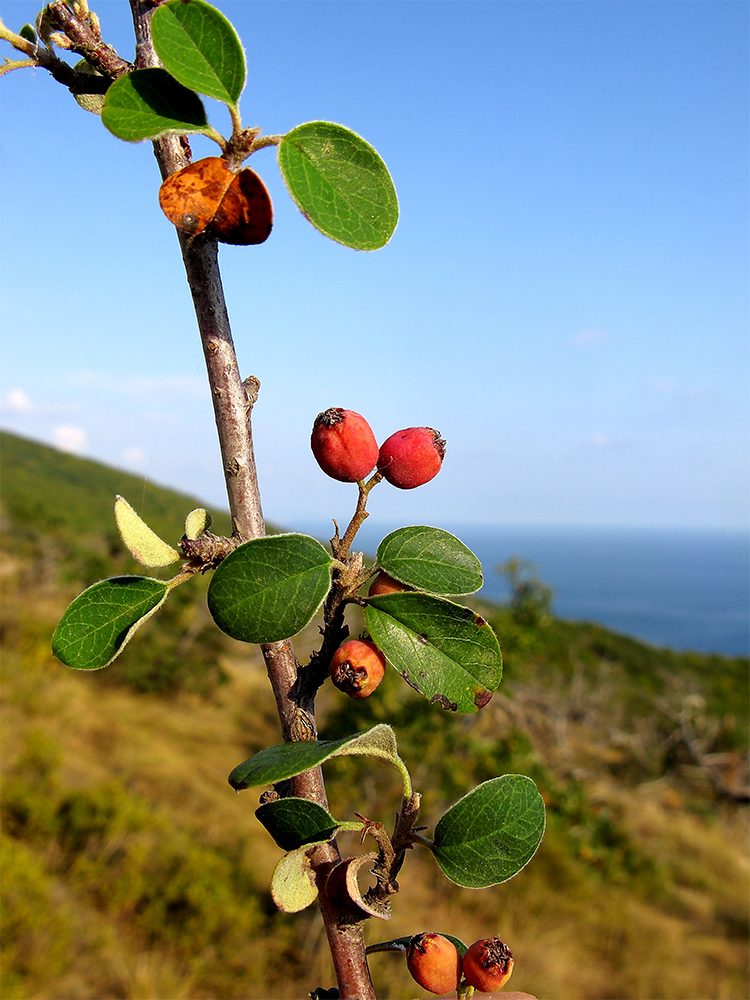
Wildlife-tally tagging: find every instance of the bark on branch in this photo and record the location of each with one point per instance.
(233, 400)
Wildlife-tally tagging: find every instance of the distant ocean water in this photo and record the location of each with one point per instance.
(689, 590)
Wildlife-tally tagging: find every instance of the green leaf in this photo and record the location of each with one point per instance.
(293, 881)
(144, 544)
(491, 833)
(270, 588)
(281, 761)
(430, 559)
(340, 184)
(148, 103)
(287, 759)
(446, 652)
(293, 822)
(200, 48)
(100, 621)
(29, 34)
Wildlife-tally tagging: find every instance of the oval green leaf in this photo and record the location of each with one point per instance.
(200, 48)
(270, 588)
(490, 834)
(446, 652)
(284, 760)
(340, 184)
(148, 103)
(97, 625)
(293, 822)
(293, 881)
(430, 559)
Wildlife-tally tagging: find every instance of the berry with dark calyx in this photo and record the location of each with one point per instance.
(488, 964)
(411, 457)
(434, 962)
(357, 668)
(385, 584)
(343, 445)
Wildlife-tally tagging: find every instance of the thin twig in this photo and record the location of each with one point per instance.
(85, 39)
(341, 546)
(42, 56)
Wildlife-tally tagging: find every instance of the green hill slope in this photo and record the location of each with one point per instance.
(131, 869)
(46, 492)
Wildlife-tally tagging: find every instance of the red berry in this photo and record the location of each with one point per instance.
(488, 964)
(411, 457)
(357, 668)
(385, 584)
(343, 445)
(434, 963)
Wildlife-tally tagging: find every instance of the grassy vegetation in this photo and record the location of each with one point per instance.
(48, 494)
(131, 869)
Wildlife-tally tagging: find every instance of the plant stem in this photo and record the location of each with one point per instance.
(85, 39)
(340, 546)
(40, 55)
(233, 402)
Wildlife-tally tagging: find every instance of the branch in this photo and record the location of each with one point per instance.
(79, 36)
(84, 37)
(340, 546)
(17, 41)
(348, 577)
(233, 401)
(10, 64)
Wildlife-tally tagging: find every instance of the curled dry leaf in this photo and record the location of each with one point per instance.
(208, 197)
(343, 888)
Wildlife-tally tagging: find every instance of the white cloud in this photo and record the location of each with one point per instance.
(68, 437)
(589, 338)
(134, 457)
(140, 385)
(601, 440)
(17, 401)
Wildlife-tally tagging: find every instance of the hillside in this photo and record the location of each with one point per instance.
(49, 493)
(131, 870)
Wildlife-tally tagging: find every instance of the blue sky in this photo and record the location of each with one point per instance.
(565, 297)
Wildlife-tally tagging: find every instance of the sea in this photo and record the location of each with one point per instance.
(685, 589)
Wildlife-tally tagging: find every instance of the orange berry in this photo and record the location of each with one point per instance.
(357, 668)
(488, 964)
(385, 584)
(434, 962)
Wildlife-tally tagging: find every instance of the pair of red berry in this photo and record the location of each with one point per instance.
(345, 448)
(437, 966)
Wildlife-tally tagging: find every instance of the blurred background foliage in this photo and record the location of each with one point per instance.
(131, 870)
